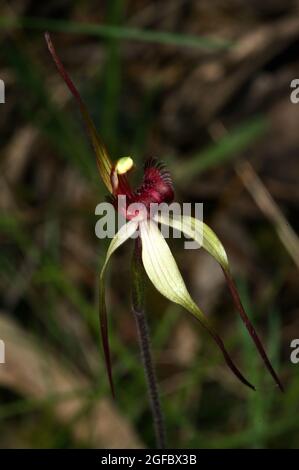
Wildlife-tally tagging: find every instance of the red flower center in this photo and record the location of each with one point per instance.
(156, 188)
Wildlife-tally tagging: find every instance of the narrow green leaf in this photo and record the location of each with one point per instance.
(115, 32)
(226, 149)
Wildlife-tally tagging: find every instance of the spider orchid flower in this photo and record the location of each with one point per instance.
(157, 259)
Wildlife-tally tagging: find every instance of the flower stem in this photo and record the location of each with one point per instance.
(138, 281)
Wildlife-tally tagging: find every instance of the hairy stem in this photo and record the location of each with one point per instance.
(138, 276)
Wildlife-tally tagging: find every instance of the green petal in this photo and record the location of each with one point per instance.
(103, 159)
(201, 233)
(162, 270)
(122, 235)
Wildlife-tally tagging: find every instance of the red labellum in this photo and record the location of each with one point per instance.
(156, 188)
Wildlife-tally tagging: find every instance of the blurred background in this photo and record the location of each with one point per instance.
(205, 86)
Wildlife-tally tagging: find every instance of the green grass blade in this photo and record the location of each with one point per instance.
(115, 32)
(223, 151)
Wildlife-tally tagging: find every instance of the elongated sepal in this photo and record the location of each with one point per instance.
(250, 328)
(122, 235)
(198, 231)
(103, 160)
(162, 270)
(204, 235)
